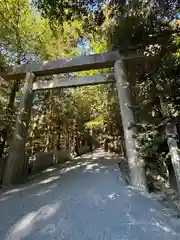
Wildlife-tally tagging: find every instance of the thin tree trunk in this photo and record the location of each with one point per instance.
(5, 130)
(136, 164)
(39, 119)
(171, 133)
(10, 106)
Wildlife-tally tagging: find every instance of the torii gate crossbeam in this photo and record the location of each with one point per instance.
(74, 64)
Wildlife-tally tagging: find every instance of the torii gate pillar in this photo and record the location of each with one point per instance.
(16, 173)
(138, 179)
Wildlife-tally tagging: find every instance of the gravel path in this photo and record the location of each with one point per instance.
(83, 201)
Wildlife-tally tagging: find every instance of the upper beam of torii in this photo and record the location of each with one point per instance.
(74, 64)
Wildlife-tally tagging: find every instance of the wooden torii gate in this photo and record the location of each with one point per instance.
(16, 164)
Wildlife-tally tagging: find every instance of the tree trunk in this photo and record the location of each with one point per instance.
(9, 112)
(10, 106)
(38, 120)
(171, 133)
(17, 163)
(136, 164)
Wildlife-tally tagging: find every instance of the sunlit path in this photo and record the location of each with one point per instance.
(85, 200)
